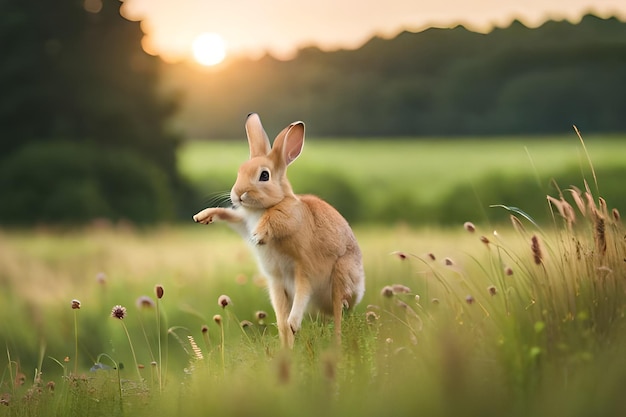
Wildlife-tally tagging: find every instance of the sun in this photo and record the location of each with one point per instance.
(209, 49)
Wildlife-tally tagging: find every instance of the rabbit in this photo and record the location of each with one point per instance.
(303, 246)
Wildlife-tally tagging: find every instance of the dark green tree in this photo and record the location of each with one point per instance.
(75, 71)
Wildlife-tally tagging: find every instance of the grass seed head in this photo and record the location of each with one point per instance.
(576, 195)
(469, 300)
(158, 290)
(517, 224)
(492, 290)
(387, 291)
(401, 255)
(371, 317)
(400, 289)
(75, 304)
(536, 249)
(616, 215)
(144, 302)
(508, 271)
(600, 233)
(217, 319)
(469, 226)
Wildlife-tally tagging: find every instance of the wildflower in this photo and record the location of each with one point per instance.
(387, 291)
(508, 271)
(469, 226)
(223, 301)
(144, 302)
(448, 262)
(217, 319)
(158, 291)
(492, 290)
(75, 304)
(435, 301)
(417, 298)
(204, 329)
(400, 289)
(431, 256)
(469, 300)
(118, 312)
(246, 323)
(484, 240)
(536, 249)
(260, 315)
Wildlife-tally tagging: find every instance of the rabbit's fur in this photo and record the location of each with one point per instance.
(303, 246)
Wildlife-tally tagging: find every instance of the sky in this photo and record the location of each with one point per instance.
(280, 27)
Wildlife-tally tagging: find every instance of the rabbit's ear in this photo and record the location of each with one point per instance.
(257, 138)
(289, 142)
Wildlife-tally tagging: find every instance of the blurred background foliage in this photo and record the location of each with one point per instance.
(85, 131)
(438, 82)
(91, 125)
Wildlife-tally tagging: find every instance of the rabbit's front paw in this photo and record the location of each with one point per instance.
(204, 217)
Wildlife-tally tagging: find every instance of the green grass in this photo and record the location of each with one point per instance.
(453, 323)
(460, 335)
(430, 167)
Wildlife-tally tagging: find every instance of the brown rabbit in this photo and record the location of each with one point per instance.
(303, 246)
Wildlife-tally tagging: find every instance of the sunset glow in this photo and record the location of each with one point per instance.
(209, 49)
(254, 28)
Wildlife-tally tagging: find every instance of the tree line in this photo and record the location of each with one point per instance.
(438, 82)
(84, 127)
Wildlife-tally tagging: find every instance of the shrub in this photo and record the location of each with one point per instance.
(334, 188)
(65, 183)
(472, 201)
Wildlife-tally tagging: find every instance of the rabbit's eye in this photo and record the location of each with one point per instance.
(265, 175)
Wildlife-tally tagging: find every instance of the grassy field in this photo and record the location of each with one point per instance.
(430, 167)
(518, 321)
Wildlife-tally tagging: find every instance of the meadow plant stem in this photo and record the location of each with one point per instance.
(119, 377)
(160, 366)
(222, 348)
(75, 341)
(132, 349)
(145, 336)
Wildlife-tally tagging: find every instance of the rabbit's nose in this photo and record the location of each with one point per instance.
(239, 198)
(235, 198)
